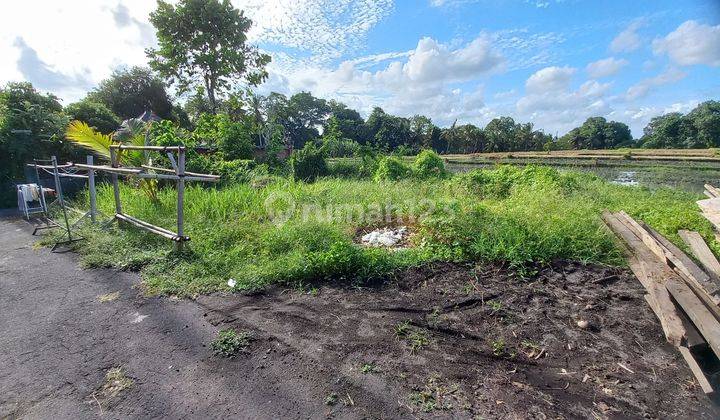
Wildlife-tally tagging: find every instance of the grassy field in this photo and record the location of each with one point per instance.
(296, 233)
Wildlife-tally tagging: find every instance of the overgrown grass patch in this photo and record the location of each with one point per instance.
(298, 233)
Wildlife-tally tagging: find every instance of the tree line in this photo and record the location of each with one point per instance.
(203, 53)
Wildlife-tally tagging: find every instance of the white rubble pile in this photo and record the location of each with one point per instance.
(384, 237)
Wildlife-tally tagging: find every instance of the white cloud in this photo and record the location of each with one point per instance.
(549, 79)
(645, 86)
(605, 67)
(325, 28)
(691, 43)
(628, 40)
(639, 117)
(95, 38)
(551, 104)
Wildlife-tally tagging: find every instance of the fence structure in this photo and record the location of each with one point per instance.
(58, 172)
(177, 174)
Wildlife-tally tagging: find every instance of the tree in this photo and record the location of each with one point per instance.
(95, 114)
(668, 131)
(425, 134)
(204, 43)
(349, 122)
(130, 92)
(705, 119)
(499, 133)
(468, 139)
(32, 125)
(598, 133)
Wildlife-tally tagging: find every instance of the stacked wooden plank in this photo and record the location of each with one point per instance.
(711, 206)
(685, 298)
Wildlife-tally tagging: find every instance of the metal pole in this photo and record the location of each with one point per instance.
(43, 204)
(91, 189)
(114, 177)
(180, 196)
(58, 188)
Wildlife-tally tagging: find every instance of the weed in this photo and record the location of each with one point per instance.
(331, 399)
(313, 292)
(116, 381)
(109, 297)
(433, 318)
(498, 347)
(416, 339)
(530, 345)
(402, 329)
(495, 305)
(229, 342)
(433, 396)
(368, 368)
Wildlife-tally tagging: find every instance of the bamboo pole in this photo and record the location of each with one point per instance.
(116, 168)
(155, 168)
(150, 228)
(155, 148)
(58, 189)
(114, 177)
(91, 189)
(180, 196)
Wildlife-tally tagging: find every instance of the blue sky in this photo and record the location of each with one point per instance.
(550, 62)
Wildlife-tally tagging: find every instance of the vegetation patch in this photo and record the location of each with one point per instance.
(230, 342)
(295, 233)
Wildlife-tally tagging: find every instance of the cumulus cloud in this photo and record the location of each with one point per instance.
(325, 28)
(628, 40)
(102, 37)
(43, 75)
(552, 104)
(645, 86)
(639, 117)
(691, 43)
(605, 67)
(549, 79)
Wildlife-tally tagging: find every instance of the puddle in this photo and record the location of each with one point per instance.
(626, 178)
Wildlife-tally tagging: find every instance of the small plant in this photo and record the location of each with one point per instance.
(433, 318)
(308, 163)
(495, 305)
(498, 347)
(433, 396)
(116, 381)
(229, 342)
(530, 345)
(402, 329)
(331, 399)
(417, 340)
(313, 292)
(368, 368)
(392, 168)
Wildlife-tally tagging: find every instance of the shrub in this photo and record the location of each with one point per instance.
(391, 168)
(308, 163)
(429, 164)
(232, 171)
(345, 169)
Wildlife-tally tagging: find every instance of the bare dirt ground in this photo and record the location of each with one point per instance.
(445, 340)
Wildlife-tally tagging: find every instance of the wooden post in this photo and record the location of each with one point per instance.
(91, 189)
(180, 196)
(114, 177)
(58, 190)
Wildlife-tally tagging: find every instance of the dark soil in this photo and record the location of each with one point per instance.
(443, 340)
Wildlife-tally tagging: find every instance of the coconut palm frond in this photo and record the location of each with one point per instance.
(129, 130)
(85, 136)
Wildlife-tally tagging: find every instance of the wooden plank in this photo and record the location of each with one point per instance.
(651, 273)
(696, 370)
(643, 234)
(714, 192)
(687, 267)
(702, 252)
(693, 339)
(699, 314)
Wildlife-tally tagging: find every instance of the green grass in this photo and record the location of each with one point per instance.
(518, 216)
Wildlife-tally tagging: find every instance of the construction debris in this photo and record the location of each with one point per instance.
(683, 296)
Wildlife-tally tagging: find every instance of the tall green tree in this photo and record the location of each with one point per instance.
(204, 43)
(598, 133)
(32, 125)
(95, 114)
(705, 119)
(130, 92)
